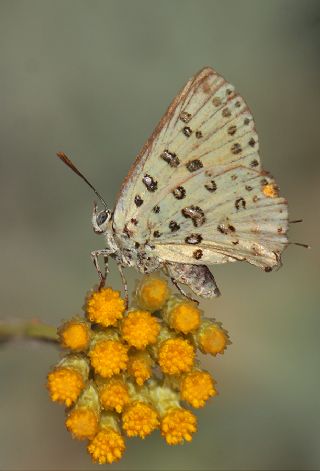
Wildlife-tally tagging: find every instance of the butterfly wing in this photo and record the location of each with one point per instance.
(245, 220)
(196, 191)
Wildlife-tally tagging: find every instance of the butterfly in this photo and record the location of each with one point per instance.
(196, 194)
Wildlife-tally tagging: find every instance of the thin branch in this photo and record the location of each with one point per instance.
(34, 329)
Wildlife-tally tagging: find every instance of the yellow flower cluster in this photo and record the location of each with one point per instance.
(128, 371)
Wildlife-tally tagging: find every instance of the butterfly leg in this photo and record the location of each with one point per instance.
(94, 256)
(106, 266)
(124, 283)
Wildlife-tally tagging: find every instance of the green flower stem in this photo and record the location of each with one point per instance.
(28, 330)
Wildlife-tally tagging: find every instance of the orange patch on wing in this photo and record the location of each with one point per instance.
(270, 190)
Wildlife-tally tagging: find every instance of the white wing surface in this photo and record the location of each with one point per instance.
(196, 191)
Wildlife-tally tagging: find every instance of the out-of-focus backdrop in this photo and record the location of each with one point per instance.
(93, 78)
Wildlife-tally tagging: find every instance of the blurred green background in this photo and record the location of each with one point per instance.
(93, 78)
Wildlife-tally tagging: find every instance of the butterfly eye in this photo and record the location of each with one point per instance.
(102, 217)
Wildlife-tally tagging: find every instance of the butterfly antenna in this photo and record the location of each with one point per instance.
(306, 246)
(65, 159)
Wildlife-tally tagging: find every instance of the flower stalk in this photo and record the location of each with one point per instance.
(30, 330)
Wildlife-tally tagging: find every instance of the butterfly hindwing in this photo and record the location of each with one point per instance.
(236, 215)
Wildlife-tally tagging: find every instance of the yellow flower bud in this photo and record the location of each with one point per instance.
(75, 334)
(152, 293)
(140, 366)
(176, 356)
(176, 424)
(113, 393)
(139, 329)
(108, 355)
(108, 445)
(105, 307)
(197, 387)
(182, 315)
(68, 379)
(83, 419)
(211, 337)
(140, 417)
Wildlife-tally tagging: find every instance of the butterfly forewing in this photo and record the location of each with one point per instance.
(197, 190)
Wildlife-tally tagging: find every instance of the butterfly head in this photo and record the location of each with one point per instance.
(100, 219)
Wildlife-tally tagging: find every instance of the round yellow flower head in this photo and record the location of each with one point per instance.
(68, 378)
(107, 446)
(65, 385)
(176, 355)
(196, 388)
(152, 293)
(111, 373)
(109, 357)
(212, 338)
(140, 329)
(139, 419)
(82, 423)
(184, 316)
(75, 335)
(177, 425)
(140, 366)
(114, 394)
(105, 307)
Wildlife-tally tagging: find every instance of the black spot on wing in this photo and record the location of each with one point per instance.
(194, 165)
(185, 116)
(212, 186)
(174, 226)
(232, 130)
(179, 193)
(197, 254)
(193, 239)
(240, 203)
(150, 183)
(195, 213)
(226, 229)
(236, 148)
(138, 200)
(187, 131)
(171, 158)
